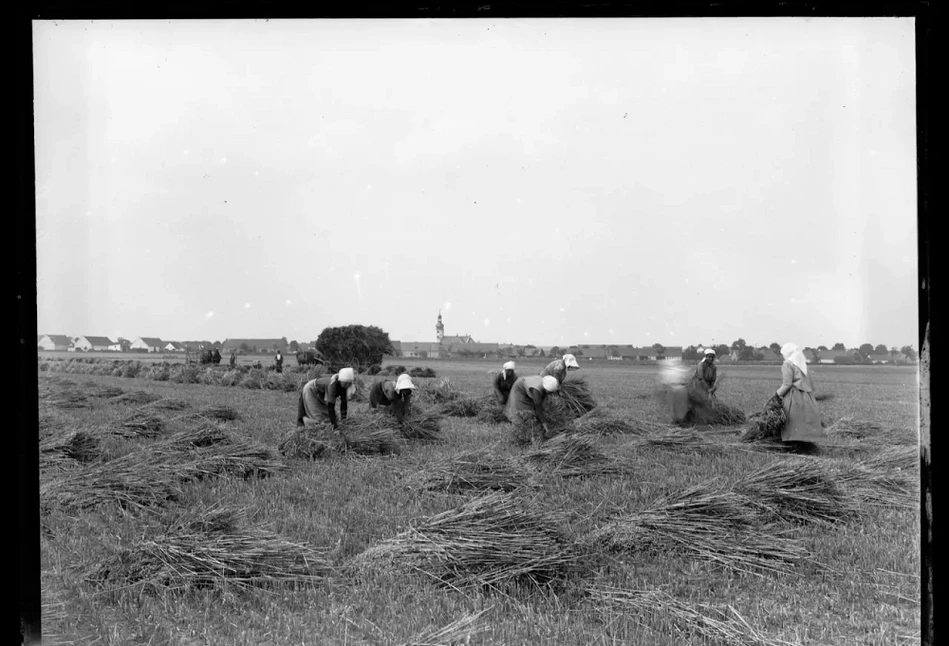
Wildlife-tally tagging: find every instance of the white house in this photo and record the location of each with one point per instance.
(54, 342)
(173, 346)
(147, 343)
(92, 343)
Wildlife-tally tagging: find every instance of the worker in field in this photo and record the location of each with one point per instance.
(396, 395)
(558, 368)
(705, 379)
(233, 358)
(797, 397)
(528, 395)
(278, 361)
(216, 356)
(317, 403)
(676, 381)
(504, 381)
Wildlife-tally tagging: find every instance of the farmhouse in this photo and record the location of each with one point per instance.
(473, 350)
(767, 354)
(420, 349)
(255, 345)
(92, 343)
(835, 356)
(879, 357)
(53, 342)
(147, 344)
(620, 352)
(173, 346)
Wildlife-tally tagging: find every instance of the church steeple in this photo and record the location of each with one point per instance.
(439, 328)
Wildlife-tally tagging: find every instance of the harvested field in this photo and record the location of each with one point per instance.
(477, 471)
(210, 548)
(491, 541)
(570, 455)
(720, 527)
(136, 397)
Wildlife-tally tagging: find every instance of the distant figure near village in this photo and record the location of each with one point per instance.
(504, 381)
(278, 361)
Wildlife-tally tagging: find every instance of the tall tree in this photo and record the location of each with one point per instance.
(822, 347)
(866, 348)
(775, 348)
(660, 350)
(354, 344)
(880, 349)
(909, 352)
(839, 346)
(739, 345)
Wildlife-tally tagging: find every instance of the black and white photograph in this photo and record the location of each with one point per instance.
(490, 331)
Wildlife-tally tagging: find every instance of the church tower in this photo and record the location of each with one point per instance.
(439, 328)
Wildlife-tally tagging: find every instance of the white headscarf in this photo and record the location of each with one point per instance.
(404, 382)
(507, 366)
(551, 384)
(792, 353)
(570, 361)
(347, 375)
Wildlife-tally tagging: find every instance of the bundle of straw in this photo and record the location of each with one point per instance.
(223, 413)
(437, 392)
(856, 429)
(196, 553)
(137, 397)
(140, 423)
(711, 625)
(70, 399)
(371, 434)
(679, 439)
(478, 470)
(766, 425)
(302, 442)
(170, 403)
(527, 430)
(569, 455)
(893, 458)
(492, 541)
(599, 421)
(716, 526)
(459, 631)
(132, 481)
(796, 490)
(77, 445)
(575, 393)
(422, 424)
(874, 486)
(492, 412)
(202, 453)
(107, 392)
(464, 406)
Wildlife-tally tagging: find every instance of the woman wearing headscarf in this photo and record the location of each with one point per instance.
(317, 404)
(558, 367)
(503, 382)
(705, 379)
(797, 396)
(396, 394)
(528, 394)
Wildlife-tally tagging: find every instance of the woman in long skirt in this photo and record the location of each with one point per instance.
(797, 397)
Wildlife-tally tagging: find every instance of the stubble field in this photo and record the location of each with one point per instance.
(119, 572)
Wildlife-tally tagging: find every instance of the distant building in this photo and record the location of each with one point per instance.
(54, 342)
(92, 343)
(147, 344)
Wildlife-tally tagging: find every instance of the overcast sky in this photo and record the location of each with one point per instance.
(539, 181)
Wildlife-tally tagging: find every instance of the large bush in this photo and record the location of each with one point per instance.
(354, 345)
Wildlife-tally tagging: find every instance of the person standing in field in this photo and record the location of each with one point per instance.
(528, 395)
(558, 368)
(317, 403)
(705, 379)
(503, 382)
(278, 360)
(233, 358)
(797, 397)
(397, 395)
(216, 356)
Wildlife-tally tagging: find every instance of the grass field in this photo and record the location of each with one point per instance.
(852, 581)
